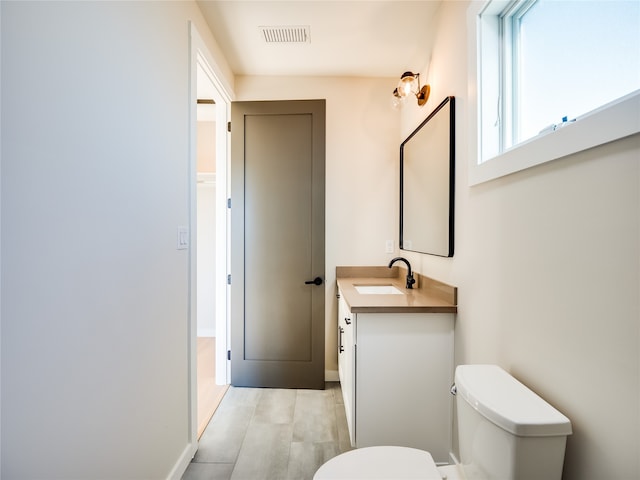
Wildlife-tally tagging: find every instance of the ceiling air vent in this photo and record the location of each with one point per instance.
(286, 34)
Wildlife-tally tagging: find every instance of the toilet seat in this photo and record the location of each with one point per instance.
(399, 463)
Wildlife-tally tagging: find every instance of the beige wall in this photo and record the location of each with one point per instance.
(362, 171)
(548, 268)
(206, 147)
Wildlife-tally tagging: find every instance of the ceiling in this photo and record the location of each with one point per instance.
(359, 38)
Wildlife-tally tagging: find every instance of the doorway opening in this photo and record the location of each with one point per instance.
(209, 369)
(210, 392)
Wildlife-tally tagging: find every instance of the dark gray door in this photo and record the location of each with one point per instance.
(277, 243)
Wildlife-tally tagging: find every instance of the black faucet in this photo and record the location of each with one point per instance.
(410, 279)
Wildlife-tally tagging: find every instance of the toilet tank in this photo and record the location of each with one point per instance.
(506, 431)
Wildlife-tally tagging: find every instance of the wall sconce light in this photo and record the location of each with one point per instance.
(410, 84)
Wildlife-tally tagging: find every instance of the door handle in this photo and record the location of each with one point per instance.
(315, 281)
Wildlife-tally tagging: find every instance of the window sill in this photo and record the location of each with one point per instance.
(616, 120)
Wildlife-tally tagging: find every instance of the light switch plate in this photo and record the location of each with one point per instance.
(183, 238)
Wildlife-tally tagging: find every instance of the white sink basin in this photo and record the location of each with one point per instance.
(378, 290)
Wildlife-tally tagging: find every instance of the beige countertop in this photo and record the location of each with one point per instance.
(427, 296)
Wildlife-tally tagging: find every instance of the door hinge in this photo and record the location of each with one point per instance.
(228, 202)
(229, 127)
(228, 354)
(229, 279)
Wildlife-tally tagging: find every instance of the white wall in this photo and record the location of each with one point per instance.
(206, 251)
(206, 222)
(362, 157)
(547, 262)
(95, 163)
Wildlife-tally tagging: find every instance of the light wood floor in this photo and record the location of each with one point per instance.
(267, 434)
(209, 394)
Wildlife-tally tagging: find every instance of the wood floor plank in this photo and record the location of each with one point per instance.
(208, 471)
(276, 405)
(306, 457)
(223, 438)
(315, 419)
(209, 393)
(265, 452)
(274, 434)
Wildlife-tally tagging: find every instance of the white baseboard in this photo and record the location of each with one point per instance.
(331, 376)
(183, 462)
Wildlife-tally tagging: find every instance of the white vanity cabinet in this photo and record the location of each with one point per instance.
(346, 363)
(396, 372)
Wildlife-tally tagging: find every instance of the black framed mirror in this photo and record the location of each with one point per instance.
(427, 181)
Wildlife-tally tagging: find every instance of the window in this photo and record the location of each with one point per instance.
(540, 62)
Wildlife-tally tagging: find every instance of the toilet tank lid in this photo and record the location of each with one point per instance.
(509, 404)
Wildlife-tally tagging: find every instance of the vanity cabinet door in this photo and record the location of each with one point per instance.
(404, 371)
(346, 363)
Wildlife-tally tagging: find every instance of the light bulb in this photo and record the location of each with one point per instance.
(407, 84)
(405, 87)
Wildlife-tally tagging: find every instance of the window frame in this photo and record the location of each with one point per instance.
(612, 121)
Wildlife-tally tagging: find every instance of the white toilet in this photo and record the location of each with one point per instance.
(505, 432)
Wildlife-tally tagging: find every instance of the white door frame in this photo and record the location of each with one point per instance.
(200, 56)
